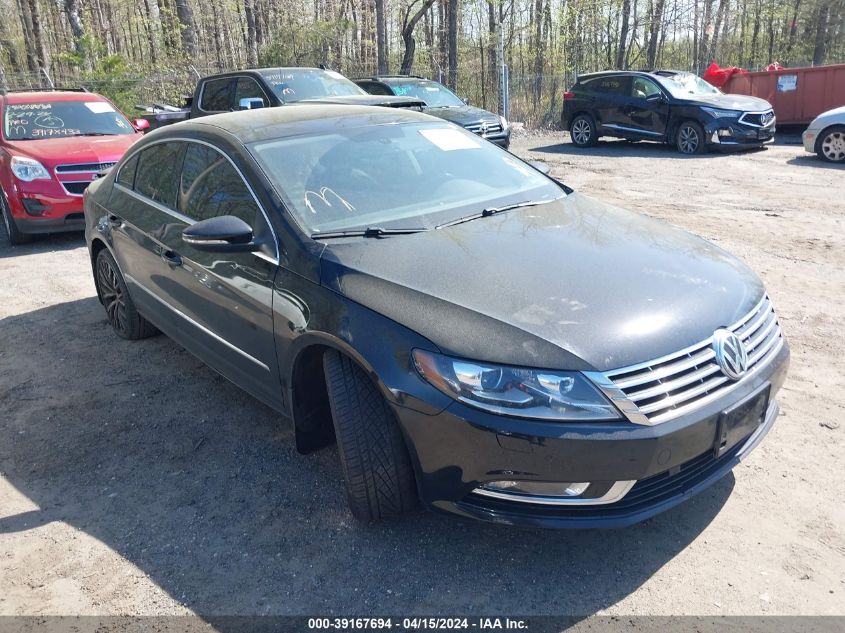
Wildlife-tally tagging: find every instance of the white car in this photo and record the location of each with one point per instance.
(826, 135)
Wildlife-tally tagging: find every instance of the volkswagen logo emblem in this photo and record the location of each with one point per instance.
(731, 355)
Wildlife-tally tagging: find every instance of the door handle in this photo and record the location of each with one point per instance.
(172, 258)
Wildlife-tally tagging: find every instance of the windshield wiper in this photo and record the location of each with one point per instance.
(370, 231)
(488, 211)
(92, 134)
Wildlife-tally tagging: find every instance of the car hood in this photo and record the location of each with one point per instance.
(373, 100)
(462, 115)
(732, 102)
(76, 149)
(837, 115)
(572, 284)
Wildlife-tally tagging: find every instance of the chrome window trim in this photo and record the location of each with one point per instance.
(183, 217)
(199, 326)
(616, 492)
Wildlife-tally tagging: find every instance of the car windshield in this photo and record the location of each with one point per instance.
(50, 119)
(434, 94)
(682, 85)
(292, 85)
(413, 175)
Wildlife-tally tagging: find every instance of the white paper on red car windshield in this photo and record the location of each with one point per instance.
(448, 139)
(98, 107)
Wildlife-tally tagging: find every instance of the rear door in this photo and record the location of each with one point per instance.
(224, 299)
(141, 204)
(609, 93)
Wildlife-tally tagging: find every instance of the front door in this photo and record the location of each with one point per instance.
(645, 111)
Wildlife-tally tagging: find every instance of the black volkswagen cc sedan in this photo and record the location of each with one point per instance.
(665, 106)
(473, 334)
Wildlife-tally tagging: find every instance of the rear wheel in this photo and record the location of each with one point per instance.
(831, 144)
(375, 462)
(15, 235)
(120, 310)
(690, 138)
(582, 131)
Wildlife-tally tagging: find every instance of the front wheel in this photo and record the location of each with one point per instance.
(831, 144)
(375, 462)
(120, 309)
(15, 236)
(582, 131)
(690, 138)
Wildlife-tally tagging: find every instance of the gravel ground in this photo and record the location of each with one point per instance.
(134, 480)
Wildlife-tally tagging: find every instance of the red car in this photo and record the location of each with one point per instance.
(52, 145)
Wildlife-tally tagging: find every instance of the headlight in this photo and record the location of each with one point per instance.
(28, 169)
(716, 113)
(526, 393)
(504, 122)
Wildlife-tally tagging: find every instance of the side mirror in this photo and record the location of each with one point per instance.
(140, 125)
(540, 166)
(222, 234)
(655, 98)
(250, 103)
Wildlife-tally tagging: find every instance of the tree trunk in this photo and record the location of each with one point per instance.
(77, 29)
(654, 33)
(408, 36)
(623, 35)
(452, 43)
(185, 15)
(251, 37)
(381, 38)
(822, 20)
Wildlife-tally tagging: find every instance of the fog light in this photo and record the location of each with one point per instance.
(541, 488)
(725, 132)
(34, 207)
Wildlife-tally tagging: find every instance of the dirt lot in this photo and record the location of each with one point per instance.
(134, 480)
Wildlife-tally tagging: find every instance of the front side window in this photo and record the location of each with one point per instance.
(643, 88)
(247, 88)
(395, 176)
(156, 175)
(432, 93)
(33, 121)
(292, 85)
(210, 186)
(216, 95)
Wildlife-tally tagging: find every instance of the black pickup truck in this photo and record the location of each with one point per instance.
(270, 88)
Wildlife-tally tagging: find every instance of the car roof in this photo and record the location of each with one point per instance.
(41, 96)
(293, 120)
(631, 73)
(266, 71)
(394, 78)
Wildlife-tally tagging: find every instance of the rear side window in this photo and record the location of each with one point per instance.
(210, 186)
(126, 176)
(376, 88)
(157, 172)
(606, 85)
(217, 95)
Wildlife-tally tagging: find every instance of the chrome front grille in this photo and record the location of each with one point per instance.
(667, 387)
(83, 168)
(484, 127)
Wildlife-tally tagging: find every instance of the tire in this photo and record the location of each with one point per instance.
(121, 312)
(689, 138)
(16, 238)
(582, 131)
(375, 462)
(830, 145)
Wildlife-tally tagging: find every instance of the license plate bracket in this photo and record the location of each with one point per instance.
(742, 419)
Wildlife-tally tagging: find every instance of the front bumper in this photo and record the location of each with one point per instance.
(727, 134)
(462, 448)
(502, 139)
(39, 208)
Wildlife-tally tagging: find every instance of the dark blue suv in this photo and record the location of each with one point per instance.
(665, 106)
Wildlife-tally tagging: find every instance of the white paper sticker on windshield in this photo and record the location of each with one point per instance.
(448, 139)
(98, 107)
